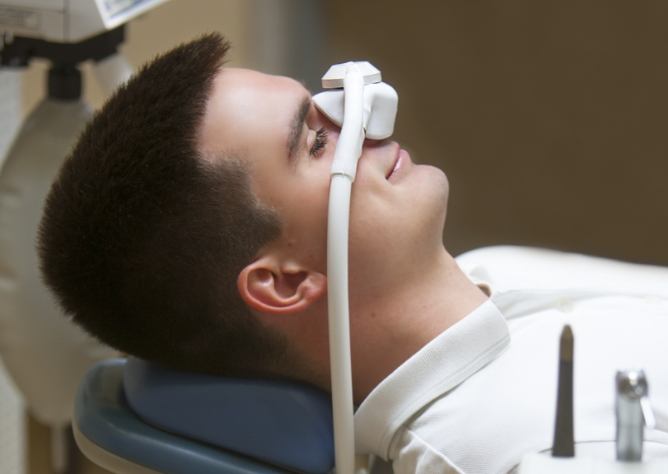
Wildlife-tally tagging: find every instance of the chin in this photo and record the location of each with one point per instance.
(430, 202)
(434, 182)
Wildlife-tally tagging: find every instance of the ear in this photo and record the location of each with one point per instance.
(272, 287)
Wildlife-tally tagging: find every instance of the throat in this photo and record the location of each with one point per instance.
(391, 331)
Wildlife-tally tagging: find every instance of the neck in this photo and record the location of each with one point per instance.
(393, 328)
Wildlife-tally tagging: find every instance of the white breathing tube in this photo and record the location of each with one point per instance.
(358, 108)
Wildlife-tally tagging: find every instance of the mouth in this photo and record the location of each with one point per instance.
(395, 163)
(398, 164)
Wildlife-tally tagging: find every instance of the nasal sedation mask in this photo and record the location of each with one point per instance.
(364, 107)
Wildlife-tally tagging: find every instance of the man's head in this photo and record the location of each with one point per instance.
(288, 146)
(189, 224)
(142, 239)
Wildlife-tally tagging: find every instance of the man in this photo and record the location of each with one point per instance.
(189, 227)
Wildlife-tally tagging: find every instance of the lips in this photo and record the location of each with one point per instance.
(396, 163)
(395, 168)
(401, 167)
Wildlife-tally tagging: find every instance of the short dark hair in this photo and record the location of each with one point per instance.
(142, 239)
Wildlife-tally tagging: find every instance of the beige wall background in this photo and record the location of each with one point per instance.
(548, 117)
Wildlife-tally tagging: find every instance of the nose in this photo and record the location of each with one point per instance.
(375, 143)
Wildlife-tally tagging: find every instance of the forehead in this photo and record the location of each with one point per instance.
(244, 103)
(238, 83)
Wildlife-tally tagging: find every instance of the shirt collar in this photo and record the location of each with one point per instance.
(445, 362)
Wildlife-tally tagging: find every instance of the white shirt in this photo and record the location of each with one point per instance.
(482, 394)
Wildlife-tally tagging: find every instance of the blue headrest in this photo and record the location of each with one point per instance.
(280, 422)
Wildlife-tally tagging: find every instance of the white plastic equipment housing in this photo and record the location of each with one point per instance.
(68, 20)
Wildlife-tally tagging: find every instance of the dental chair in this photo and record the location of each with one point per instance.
(134, 417)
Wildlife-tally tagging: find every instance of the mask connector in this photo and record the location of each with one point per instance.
(365, 107)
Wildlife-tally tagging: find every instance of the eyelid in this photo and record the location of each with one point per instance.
(312, 124)
(311, 137)
(308, 123)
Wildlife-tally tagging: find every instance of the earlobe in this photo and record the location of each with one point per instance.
(268, 287)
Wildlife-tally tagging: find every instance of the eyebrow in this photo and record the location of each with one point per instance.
(296, 126)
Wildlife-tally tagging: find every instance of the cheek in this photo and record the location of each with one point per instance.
(305, 219)
(400, 227)
(377, 232)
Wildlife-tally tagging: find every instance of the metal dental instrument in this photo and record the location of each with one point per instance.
(633, 413)
(563, 445)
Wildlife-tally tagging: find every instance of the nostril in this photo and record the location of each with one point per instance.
(370, 142)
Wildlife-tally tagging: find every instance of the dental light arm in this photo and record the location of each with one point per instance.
(354, 108)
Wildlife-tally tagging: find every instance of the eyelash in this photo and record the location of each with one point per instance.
(319, 143)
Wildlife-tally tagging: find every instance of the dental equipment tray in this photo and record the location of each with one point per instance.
(173, 421)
